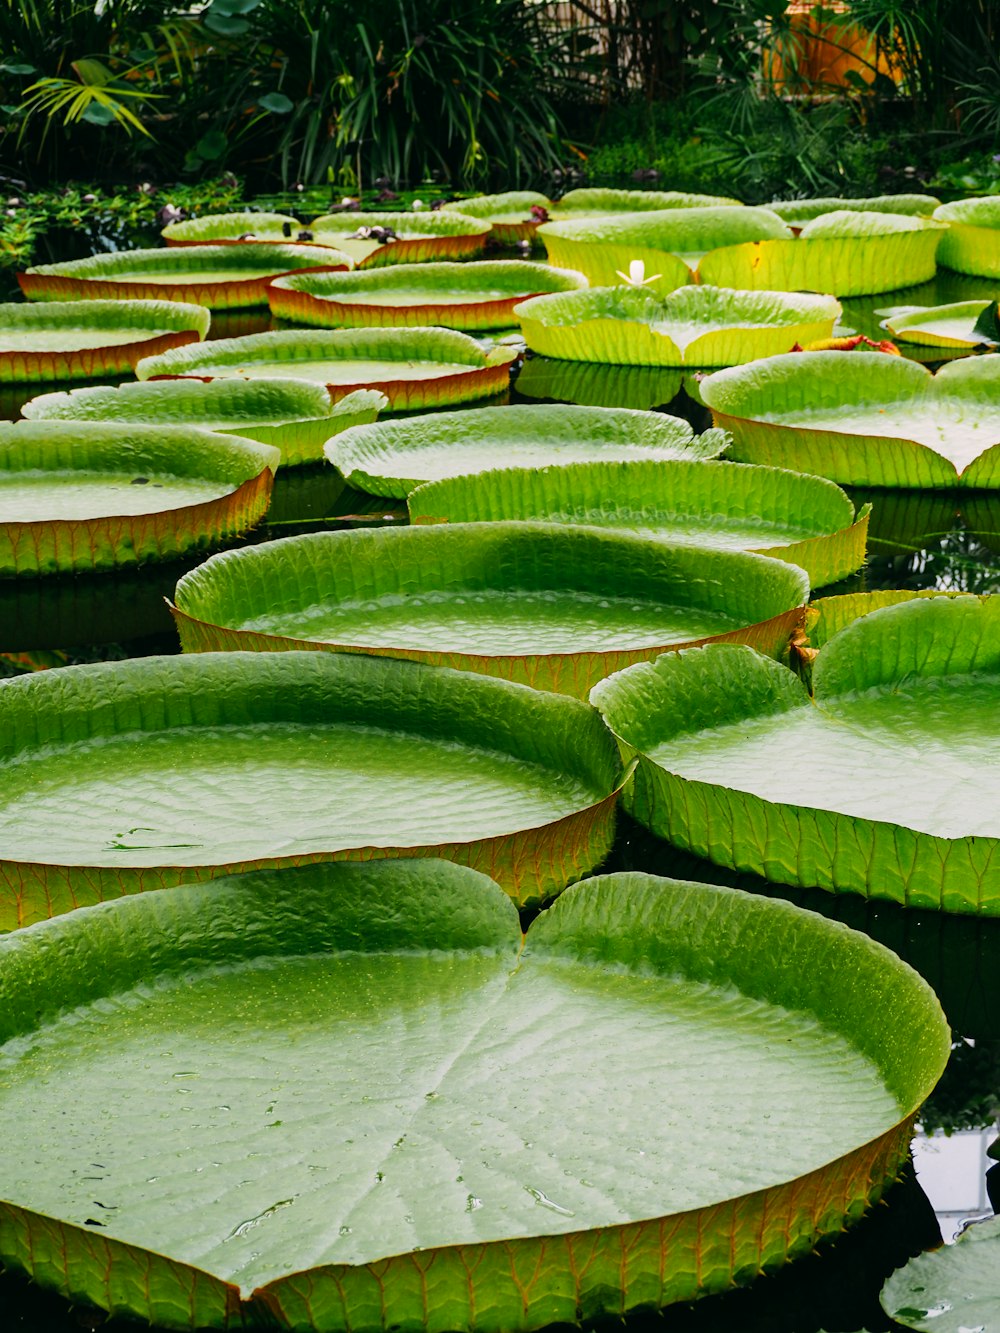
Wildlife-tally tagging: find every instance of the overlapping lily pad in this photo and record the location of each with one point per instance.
(413, 367)
(513, 215)
(955, 325)
(388, 1165)
(972, 241)
(72, 340)
(393, 458)
(89, 495)
(694, 326)
(402, 238)
(671, 243)
(547, 605)
(805, 520)
(602, 201)
(231, 228)
(796, 212)
(123, 777)
(457, 296)
(865, 418)
(884, 783)
(297, 416)
(845, 252)
(952, 1290)
(220, 277)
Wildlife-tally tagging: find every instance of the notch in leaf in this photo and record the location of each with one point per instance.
(988, 323)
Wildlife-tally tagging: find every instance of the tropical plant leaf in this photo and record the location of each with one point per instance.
(693, 326)
(546, 605)
(415, 237)
(600, 201)
(298, 416)
(670, 243)
(865, 419)
(95, 495)
(844, 252)
(72, 340)
(233, 228)
(396, 457)
(804, 520)
(972, 241)
(412, 367)
(796, 212)
(169, 770)
(958, 325)
(456, 296)
(513, 216)
(521, 1169)
(951, 1290)
(220, 277)
(884, 784)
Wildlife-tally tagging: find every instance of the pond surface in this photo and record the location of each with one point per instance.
(917, 541)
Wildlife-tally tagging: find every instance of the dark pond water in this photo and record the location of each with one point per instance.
(916, 541)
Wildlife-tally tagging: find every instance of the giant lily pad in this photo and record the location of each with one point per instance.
(864, 418)
(412, 367)
(402, 238)
(972, 241)
(295, 415)
(671, 243)
(121, 777)
(796, 212)
(393, 458)
(241, 227)
(952, 1290)
(458, 296)
(513, 215)
(440, 1124)
(220, 277)
(961, 325)
(73, 340)
(89, 495)
(544, 604)
(844, 252)
(805, 520)
(694, 326)
(885, 783)
(601, 201)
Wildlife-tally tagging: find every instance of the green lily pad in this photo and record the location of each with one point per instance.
(951, 1290)
(591, 384)
(73, 340)
(972, 241)
(835, 613)
(805, 520)
(391, 458)
(457, 296)
(413, 367)
(509, 214)
(844, 252)
(547, 605)
(416, 237)
(220, 277)
(671, 243)
(884, 783)
(601, 201)
(960, 324)
(127, 776)
(297, 416)
(692, 326)
(230, 228)
(442, 1124)
(864, 418)
(95, 495)
(796, 212)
